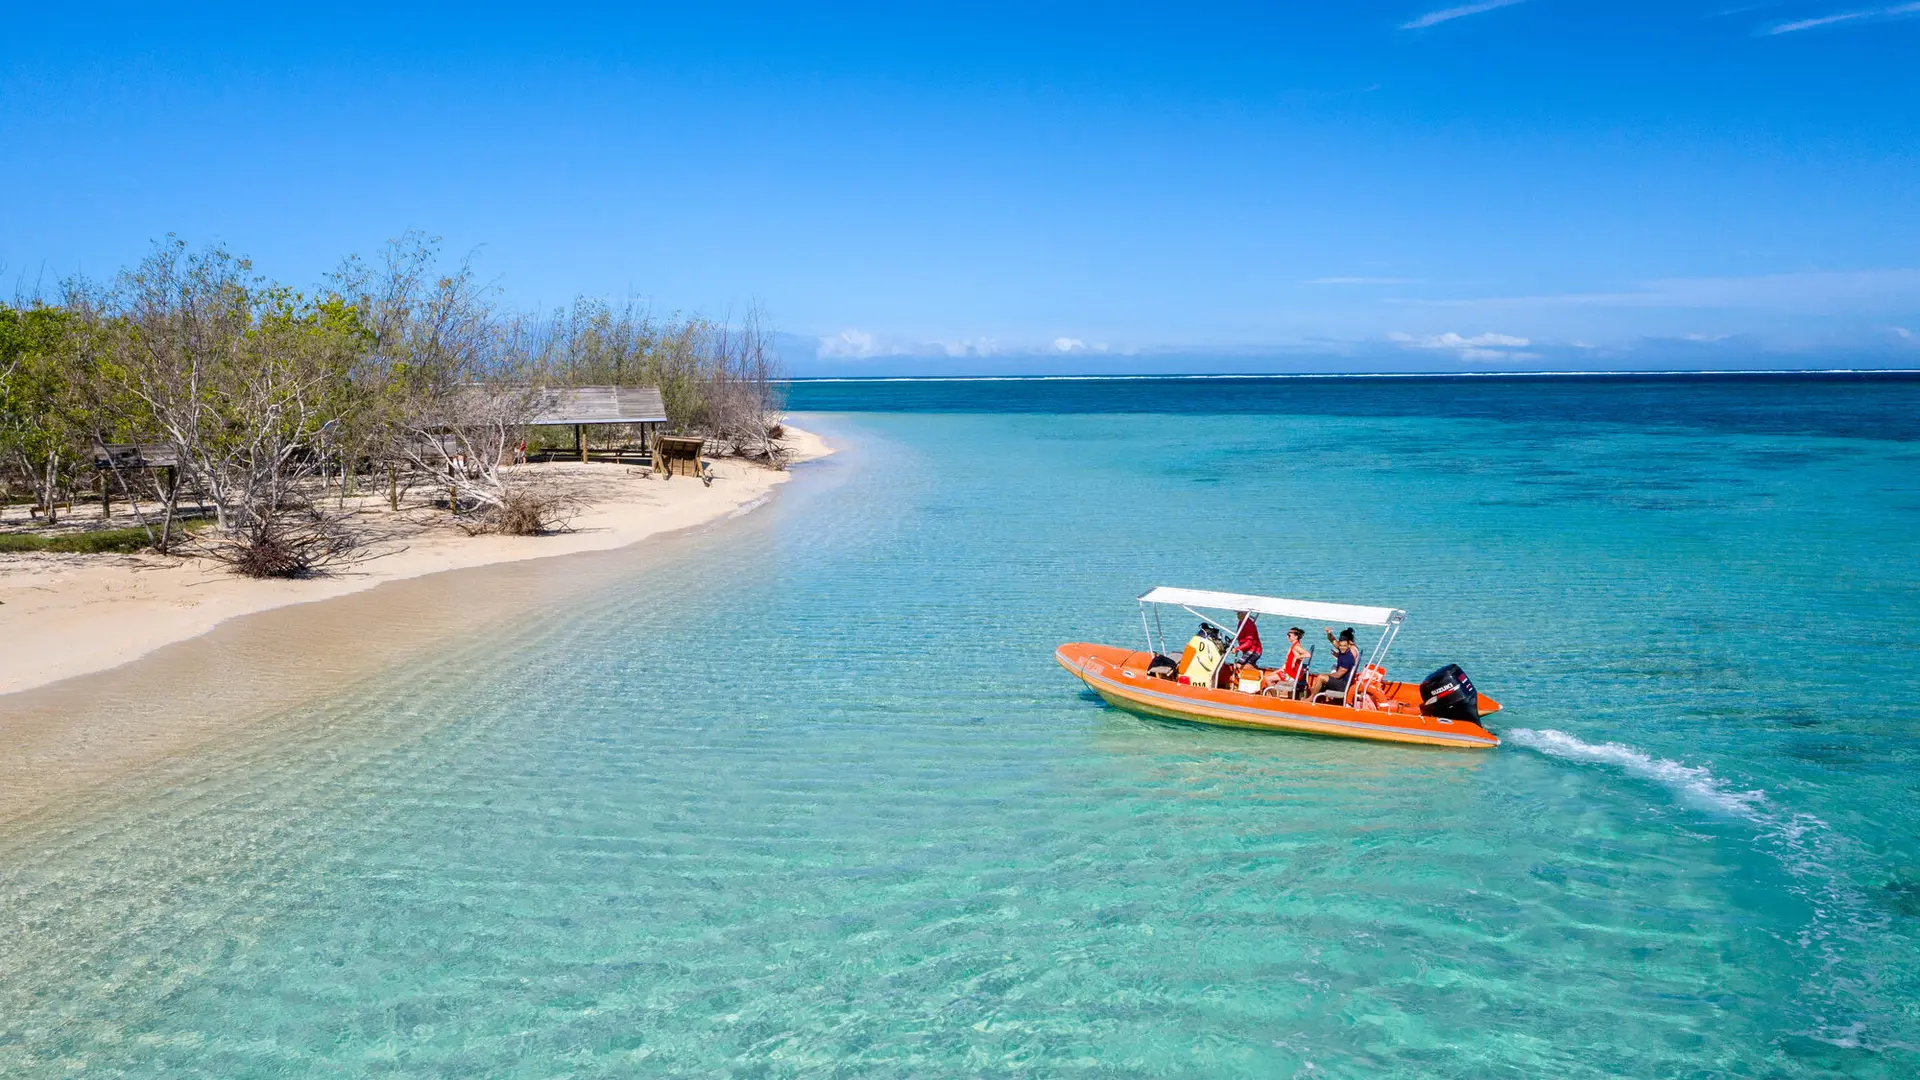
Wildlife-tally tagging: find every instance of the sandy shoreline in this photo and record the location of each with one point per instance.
(63, 616)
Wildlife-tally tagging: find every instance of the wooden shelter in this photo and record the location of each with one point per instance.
(117, 457)
(578, 406)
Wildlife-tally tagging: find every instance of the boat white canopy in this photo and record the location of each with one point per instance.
(1314, 610)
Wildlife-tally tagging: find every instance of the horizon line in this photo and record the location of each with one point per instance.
(1663, 373)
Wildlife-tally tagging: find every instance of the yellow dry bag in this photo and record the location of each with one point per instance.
(1198, 661)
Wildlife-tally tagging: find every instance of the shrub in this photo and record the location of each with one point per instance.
(295, 542)
(521, 513)
(531, 512)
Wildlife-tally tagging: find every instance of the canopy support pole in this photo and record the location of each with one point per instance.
(1203, 618)
(1380, 647)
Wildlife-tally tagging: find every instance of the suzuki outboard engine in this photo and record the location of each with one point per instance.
(1449, 695)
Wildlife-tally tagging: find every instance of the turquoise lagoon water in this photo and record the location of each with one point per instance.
(812, 799)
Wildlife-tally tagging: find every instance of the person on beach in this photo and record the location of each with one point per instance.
(1248, 640)
(1346, 657)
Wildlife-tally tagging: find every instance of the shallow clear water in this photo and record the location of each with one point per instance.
(816, 800)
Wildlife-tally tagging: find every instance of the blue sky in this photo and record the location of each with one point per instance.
(1386, 186)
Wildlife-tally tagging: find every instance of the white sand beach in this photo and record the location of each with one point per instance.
(68, 615)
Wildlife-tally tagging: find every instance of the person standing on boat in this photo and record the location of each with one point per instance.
(1247, 642)
(1346, 657)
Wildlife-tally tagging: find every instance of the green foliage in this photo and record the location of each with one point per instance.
(262, 392)
(693, 361)
(98, 542)
(44, 383)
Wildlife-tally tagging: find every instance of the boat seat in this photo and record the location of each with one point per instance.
(1335, 697)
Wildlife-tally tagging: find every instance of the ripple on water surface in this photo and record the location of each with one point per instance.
(816, 801)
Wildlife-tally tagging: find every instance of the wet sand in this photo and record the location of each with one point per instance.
(87, 735)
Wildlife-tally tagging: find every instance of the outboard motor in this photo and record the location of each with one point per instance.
(1449, 695)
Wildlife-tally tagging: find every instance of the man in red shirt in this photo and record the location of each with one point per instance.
(1248, 641)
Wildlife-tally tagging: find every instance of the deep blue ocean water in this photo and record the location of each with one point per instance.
(809, 797)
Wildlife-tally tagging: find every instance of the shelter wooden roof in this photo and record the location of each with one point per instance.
(134, 456)
(601, 405)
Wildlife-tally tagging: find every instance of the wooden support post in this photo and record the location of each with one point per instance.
(106, 497)
(580, 441)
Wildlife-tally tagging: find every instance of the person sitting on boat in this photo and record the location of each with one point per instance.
(1247, 643)
(1290, 677)
(1346, 657)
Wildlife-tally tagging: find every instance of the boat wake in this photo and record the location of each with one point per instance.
(1806, 848)
(1694, 784)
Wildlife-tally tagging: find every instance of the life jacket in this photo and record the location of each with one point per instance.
(1198, 661)
(1370, 680)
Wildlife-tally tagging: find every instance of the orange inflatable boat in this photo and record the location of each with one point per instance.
(1211, 682)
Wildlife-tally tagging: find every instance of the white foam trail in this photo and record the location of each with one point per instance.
(1806, 847)
(1691, 782)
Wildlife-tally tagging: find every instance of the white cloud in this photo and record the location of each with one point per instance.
(1452, 340)
(1824, 20)
(1904, 334)
(1798, 25)
(862, 345)
(1487, 347)
(1366, 281)
(1434, 18)
(855, 344)
(1075, 345)
(851, 344)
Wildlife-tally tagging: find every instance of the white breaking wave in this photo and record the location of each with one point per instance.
(1691, 782)
(751, 505)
